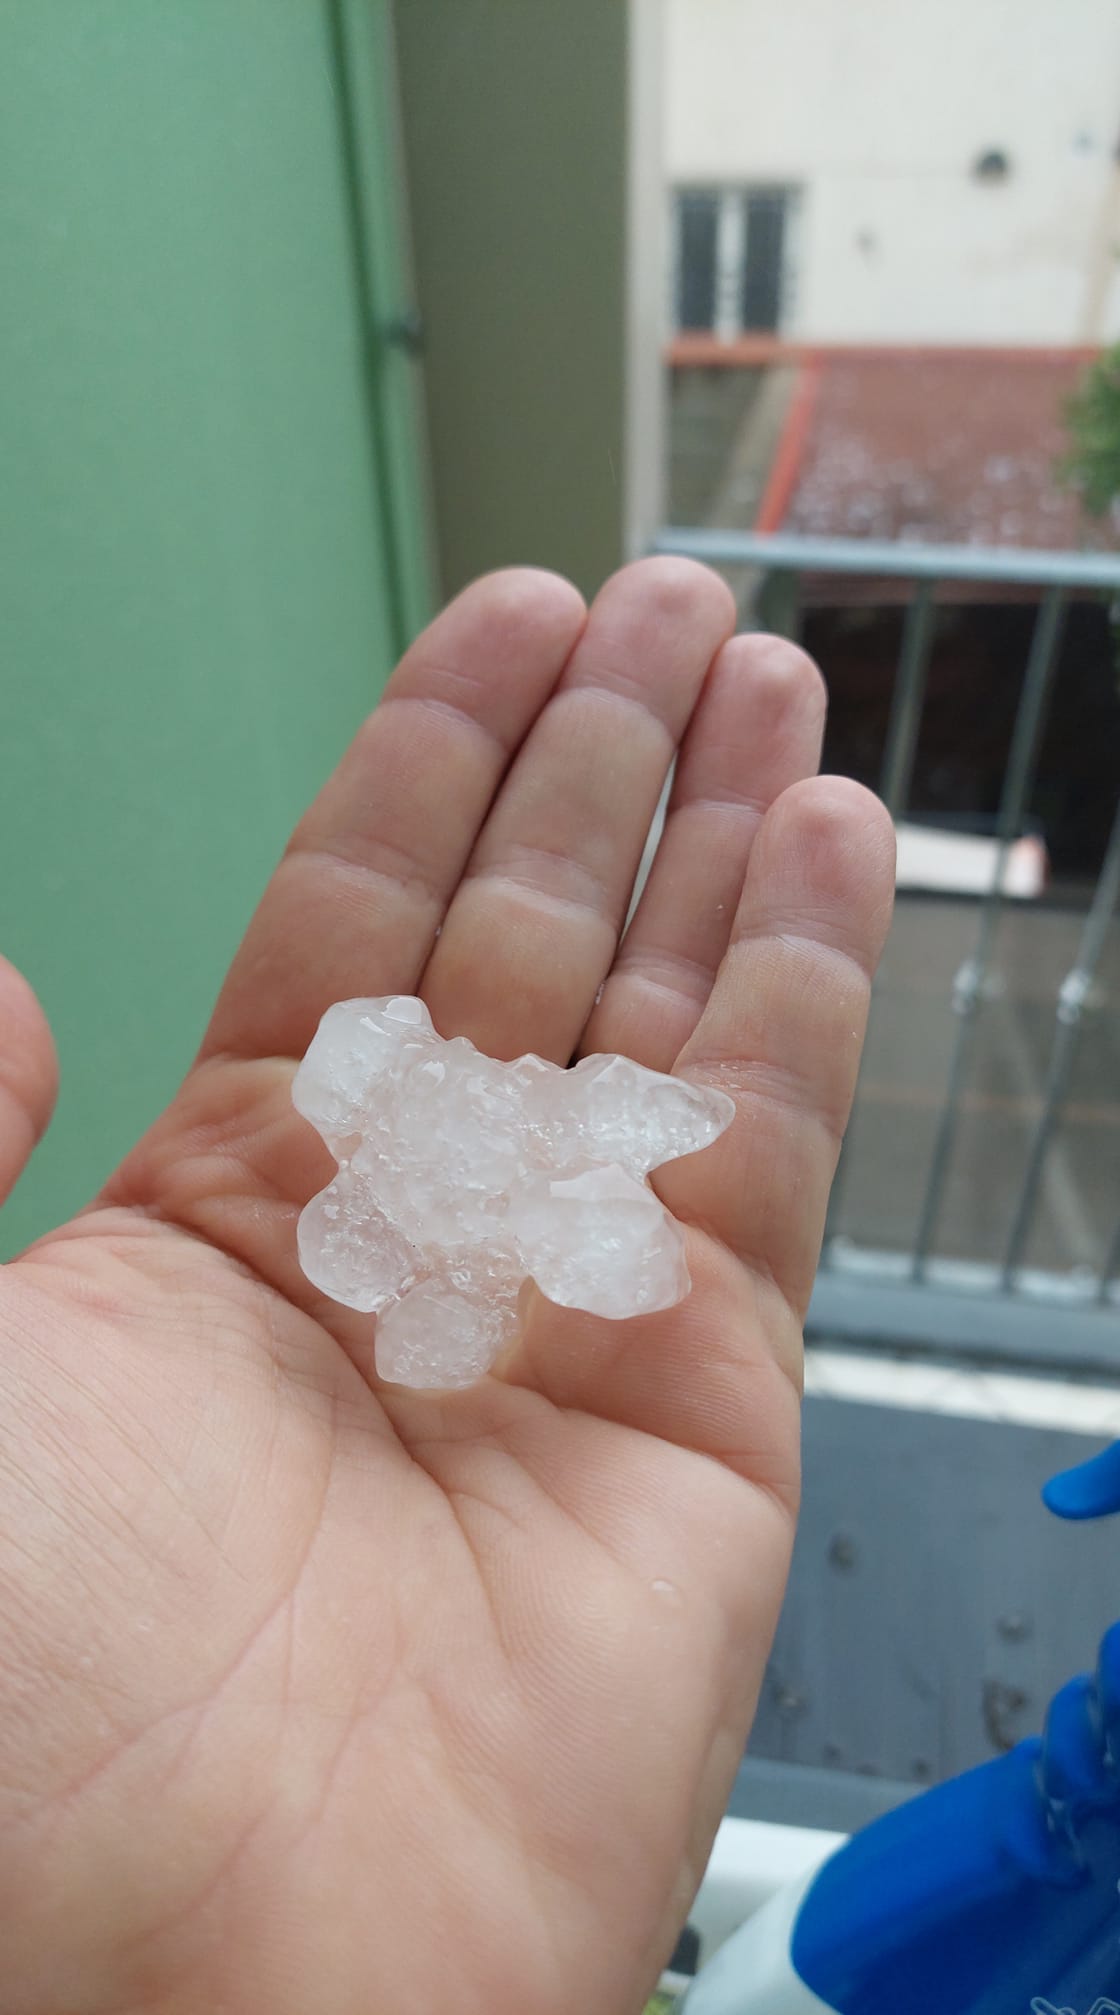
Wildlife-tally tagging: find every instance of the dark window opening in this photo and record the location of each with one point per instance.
(696, 273)
(764, 261)
(732, 259)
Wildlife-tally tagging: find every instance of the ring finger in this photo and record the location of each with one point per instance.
(756, 730)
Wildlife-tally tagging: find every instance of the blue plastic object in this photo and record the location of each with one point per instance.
(998, 1893)
(1092, 1490)
(995, 1894)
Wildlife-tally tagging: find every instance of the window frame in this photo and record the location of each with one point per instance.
(732, 253)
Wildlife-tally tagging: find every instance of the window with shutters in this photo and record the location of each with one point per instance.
(733, 259)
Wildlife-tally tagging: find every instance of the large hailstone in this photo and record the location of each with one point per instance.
(460, 1177)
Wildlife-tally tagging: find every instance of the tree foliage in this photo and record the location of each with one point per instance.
(1093, 418)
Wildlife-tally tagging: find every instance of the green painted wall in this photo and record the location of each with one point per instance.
(516, 139)
(210, 550)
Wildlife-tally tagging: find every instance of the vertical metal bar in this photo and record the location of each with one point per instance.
(969, 983)
(746, 584)
(1071, 1002)
(907, 701)
(835, 1197)
(363, 84)
(840, 1183)
(1111, 1266)
(780, 603)
(795, 611)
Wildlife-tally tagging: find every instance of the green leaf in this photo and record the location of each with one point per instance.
(1093, 419)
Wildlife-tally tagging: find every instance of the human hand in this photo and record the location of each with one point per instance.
(317, 1695)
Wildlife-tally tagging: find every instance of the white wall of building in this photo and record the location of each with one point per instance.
(876, 110)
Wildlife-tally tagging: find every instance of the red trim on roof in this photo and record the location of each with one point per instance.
(937, 446)
(790, 452)
(701, 348)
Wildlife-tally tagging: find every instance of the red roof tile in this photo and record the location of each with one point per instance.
(956, 448)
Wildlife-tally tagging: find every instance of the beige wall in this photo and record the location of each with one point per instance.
(647, 251)
(516, 136)
(876, 109)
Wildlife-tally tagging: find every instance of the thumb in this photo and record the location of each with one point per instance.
(28, 1074)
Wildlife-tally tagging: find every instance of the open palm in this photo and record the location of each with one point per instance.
(319, 1697)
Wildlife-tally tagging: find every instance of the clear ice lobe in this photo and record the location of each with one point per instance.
(460, 1177)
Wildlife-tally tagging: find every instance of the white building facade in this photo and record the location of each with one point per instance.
(895, 171)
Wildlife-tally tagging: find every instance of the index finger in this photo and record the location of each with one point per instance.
(357, 901)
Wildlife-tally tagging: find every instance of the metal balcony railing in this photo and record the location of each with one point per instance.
(921, 1296)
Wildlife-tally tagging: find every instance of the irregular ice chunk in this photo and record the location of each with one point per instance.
(459, 1177)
